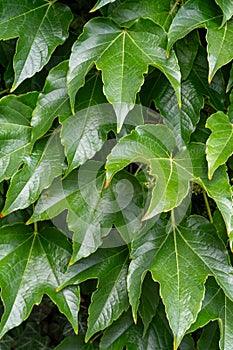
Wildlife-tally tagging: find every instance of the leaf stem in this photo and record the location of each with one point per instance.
(35, 223)
(207, 206)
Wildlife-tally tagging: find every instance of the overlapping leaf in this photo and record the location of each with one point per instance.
(217, 306)
(28, 270)
(220, 143)
(15, 131)
(101, 3)
(110, 300)
(180, 261)
(123, 57)
(92, 210)
(40, 25)
(130, 10)
(227, 8)
(77, 342)
(41, 167)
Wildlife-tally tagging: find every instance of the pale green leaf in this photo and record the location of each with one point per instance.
(130, 10)
(219, 146)
(227, 9)
(154, 146)
(15, 131)
(52, 102)
(123, 56)
(110, 299)
(40, 25)
(33, 272)
(180, 261)
(217, 306)
(41, 167)
(101, 3)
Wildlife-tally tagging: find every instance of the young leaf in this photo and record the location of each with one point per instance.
(110, 300)
(40, 25)
(220, 143)
(154, 146)
(165, 255)
(216, 306)
(130, 10)
(15, 131)
(41, 167)
(227, 9)
(52, 102)
(123, 56)
(33, 272)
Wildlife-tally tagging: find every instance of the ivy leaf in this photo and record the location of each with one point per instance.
(216, 306)
(227, 9)
(130, 10)
(182, 121)
(101, 3)
(52, 102)
(76, 342)
(40, 25)
(220, 143)
(92, 210)
(41, 167)
(165, 255)
(34, 272)
(110, 300)
(123, 56)
(15, 131)
(154, 146)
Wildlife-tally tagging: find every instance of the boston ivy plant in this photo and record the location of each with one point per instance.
(116, 146)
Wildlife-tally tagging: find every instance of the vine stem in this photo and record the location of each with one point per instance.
(207, 207)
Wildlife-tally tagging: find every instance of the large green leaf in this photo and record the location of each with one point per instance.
(28, 270)
(40, 25)
(125, 334)
(92, 210)
(180, 261)
(123, 56)
(15, 131)
(110, 300)
(52, 102)
(227, 8)
(130, 10)
(154, 146)
(41, 167)
(220, 143)
(217, 306)
(182, 121)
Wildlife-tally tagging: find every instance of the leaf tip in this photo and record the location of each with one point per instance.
(107, 183)
(1, 215)
(27, 223)
(144, 218)
(70, 263)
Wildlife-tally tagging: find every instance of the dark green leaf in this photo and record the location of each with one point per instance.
(76, 342)
(40, 25)
(33, 272)
(209, 339)
(227, 8)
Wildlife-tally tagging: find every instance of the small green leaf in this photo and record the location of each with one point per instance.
(217, 306)
(110, 300)
(123, 56)
(52, 102)
(40, 25)
(220, 143)
(41, 167)
(33, 272)
(101, 3)
(130, 10)
(15, 131)
(227, 9)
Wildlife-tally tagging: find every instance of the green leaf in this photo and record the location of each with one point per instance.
(41, 167)
(52, 102)
(40, 25)
(220, 143)
(181, 279)
(227, 9)
(209, 339)
(101, 3)
(76, 342)
(123, 56)
(154, 146)
(15, 131)
(182, 121)
(217, 306)
(110, 300)
(130, 10)
(193, 14)
(125, 334)
(33, 272)
(92, 210)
